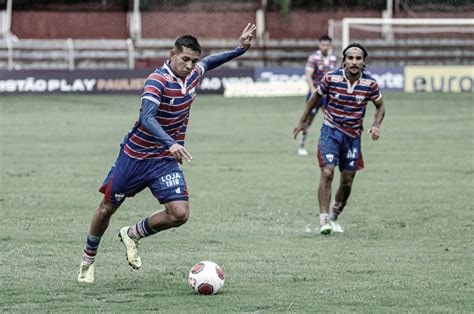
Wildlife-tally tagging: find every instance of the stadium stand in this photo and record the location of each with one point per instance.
(89, 36)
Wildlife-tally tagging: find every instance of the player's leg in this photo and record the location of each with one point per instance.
(324, 198)
(342, 194)
(169, 187)
(123, 180)
(350, 162)
(174, 215)
(99, 223)
(328, 157)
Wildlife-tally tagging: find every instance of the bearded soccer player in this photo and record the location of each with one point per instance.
(348, 90)
(151, 151)
(319, 63)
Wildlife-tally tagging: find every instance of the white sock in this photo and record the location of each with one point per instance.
(323, 219)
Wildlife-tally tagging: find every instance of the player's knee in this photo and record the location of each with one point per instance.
(346, 181)
(179, 214)
(327, 174)
(105, 210)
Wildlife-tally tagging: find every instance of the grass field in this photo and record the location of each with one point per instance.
(408, 245)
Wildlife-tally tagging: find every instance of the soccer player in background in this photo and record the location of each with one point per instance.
(319, 63)
(152, 149)
(348, 91)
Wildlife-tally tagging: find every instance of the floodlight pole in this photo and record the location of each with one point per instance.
(260, 20)
(387, 30)
(70, 46)
(8, 17)
(135, 21)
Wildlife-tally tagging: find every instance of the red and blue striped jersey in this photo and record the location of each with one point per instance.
(346, 103)
(174, 97)
(321, 65)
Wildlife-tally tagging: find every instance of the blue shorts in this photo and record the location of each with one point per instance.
(338, 149)
(129, 176)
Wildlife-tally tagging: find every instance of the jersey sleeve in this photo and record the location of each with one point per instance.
(154, 88)
(323, 86)
(213, 61)
(310, 63)
(375, 92)
(148, 113)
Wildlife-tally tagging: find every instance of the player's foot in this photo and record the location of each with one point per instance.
(325, 229)
(131, 248)
(335, 226)
(302, 151)
(86, 273)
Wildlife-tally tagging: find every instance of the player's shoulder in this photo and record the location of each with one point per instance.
(367, 79)
(160, 74)
(316, 55)
(336, 75)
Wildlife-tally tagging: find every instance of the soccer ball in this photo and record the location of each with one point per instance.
(206, 278)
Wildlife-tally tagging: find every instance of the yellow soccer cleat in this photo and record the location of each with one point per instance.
(131, 249)
(86, 273)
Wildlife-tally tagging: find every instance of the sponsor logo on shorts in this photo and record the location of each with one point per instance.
(352, 153)
(171, 179)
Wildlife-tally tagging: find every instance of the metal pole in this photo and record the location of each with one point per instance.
(10, 53)
(389, 9)
(345, 32)
(135, 21)
(387, 30)
(70, 46)
(131, 54)
(8, 17)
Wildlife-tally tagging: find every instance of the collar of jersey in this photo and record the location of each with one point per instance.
(178, 79)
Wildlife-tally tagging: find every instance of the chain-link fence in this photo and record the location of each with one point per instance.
(139, 33)
(434, 8)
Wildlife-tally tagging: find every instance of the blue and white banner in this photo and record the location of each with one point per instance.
(265, 81)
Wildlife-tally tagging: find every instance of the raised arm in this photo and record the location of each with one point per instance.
(213, 61)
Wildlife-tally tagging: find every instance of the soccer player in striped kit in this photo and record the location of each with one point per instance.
(319, 63)
(151, 151)
(348, 90)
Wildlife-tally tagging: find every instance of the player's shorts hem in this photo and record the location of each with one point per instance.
(172, 199)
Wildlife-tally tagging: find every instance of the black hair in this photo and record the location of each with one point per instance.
(187, 41)
(354, 45)
(325, 38)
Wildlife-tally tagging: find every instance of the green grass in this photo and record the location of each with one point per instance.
(407, 246)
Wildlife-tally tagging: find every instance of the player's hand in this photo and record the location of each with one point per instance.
(300, 127)
(374, 132)
(180, 153)
(246, 37)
